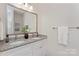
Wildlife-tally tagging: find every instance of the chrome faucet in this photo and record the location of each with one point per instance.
(7, 38)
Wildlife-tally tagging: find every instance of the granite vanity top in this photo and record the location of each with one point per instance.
(19, 42)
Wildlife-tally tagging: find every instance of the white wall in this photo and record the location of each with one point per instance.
(2, 21)
(50, 15)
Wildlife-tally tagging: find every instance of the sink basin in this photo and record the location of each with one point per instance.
(17, 42)
(21, 42)
(37, 38)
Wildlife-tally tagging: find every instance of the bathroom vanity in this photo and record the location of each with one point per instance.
(34, 46)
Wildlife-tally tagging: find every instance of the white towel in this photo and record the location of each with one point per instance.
(63, 35)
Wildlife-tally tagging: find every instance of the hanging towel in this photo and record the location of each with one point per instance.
(63, 35)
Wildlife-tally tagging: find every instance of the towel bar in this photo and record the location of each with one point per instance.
(68, 27)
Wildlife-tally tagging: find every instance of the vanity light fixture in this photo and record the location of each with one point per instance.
(25, 4)
(30, 7)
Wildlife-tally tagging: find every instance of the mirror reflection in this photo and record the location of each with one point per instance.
(19, 20)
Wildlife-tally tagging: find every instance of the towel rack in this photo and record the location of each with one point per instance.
(68, 27)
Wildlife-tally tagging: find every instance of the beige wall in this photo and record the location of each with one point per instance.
(50, 15)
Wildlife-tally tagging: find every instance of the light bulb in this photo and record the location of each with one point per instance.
(20, 3)
(31, 7)
(26, 4)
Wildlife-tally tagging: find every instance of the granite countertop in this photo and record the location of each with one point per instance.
(19, 42)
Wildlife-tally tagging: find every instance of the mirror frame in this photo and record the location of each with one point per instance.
(28, 12)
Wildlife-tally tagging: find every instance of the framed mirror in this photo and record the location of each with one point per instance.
(19, 19)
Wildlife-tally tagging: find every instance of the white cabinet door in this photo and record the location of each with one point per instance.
(43, 48)
(38, 48)
(25, 50)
